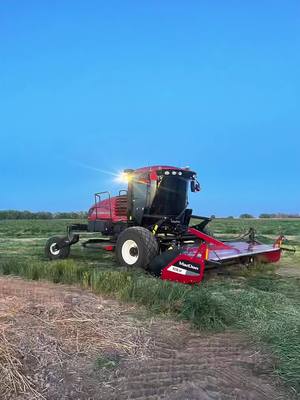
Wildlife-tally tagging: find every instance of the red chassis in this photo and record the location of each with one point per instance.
(189, 265)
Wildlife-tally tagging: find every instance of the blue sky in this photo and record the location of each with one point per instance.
(88, 88)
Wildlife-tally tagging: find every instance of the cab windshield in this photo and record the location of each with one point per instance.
(171, 196)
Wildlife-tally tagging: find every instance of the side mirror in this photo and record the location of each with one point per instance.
(195, 186)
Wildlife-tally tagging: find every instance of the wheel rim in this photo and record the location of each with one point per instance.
(53, 250)
(130, 252)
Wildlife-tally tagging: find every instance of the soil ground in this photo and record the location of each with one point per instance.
(60, 342)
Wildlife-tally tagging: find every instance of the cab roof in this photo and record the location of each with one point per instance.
(155, 168)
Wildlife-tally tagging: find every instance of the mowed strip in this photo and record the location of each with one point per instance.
(61, 342)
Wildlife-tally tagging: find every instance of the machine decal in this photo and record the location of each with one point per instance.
(181, 271)
(185, 268)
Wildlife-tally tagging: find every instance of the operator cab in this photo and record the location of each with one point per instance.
(159, 193)
(156, 197)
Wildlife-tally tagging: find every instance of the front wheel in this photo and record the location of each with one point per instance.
(136, 247)
(56, 248)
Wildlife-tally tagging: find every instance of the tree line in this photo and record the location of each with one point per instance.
(263, 215)
(15, 214)
(272, 215)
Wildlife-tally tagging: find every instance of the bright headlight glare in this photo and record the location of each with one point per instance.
(123, 177)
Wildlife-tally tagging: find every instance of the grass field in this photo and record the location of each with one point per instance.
(263, 302)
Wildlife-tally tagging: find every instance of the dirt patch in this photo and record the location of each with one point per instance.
(186, 365)
(60, 342)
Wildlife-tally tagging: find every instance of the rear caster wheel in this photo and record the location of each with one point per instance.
(56, 248)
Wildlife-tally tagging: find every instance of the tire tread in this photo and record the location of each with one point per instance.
(150, 245)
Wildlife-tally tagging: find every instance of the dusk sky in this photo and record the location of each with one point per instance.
(88, 88)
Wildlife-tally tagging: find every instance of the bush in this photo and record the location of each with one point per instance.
(246, 216)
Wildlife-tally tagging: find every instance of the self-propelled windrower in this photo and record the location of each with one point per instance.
(149, 225)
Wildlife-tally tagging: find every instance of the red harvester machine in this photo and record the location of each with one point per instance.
(148, 225)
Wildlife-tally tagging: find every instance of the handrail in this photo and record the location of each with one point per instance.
(98, 196)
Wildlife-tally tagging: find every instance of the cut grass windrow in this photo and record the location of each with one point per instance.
(266, 307)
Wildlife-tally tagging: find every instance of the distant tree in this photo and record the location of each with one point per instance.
(43, 215)
(246, 216)
(213, 216)
(230, 217)
(265, 215)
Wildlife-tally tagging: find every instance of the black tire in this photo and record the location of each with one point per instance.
(56, 254)
(161, 261)
(136, 247)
